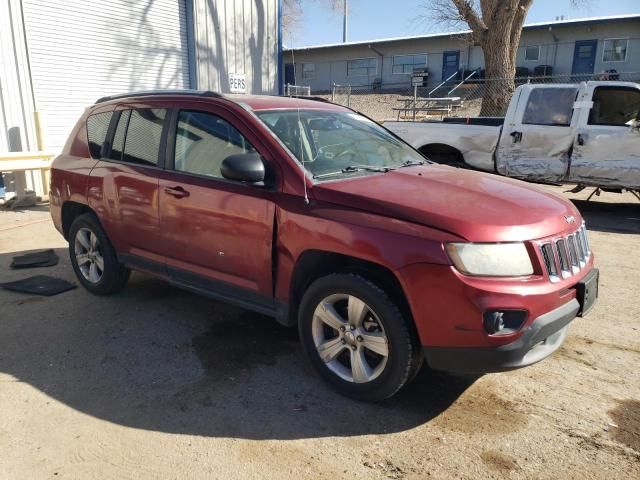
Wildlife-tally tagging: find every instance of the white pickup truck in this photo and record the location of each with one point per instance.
(587, 133)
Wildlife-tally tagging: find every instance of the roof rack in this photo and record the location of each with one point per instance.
(147, 93)
(314, 98)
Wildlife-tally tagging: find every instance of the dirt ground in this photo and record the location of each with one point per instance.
(160, 383)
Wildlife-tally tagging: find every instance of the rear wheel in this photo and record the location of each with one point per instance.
(93, 258)
(356, 337)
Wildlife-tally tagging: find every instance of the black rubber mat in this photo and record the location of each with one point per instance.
(39, 285)
(45, 258)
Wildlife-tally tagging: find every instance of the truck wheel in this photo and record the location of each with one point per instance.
(93, 258)
(356, 337)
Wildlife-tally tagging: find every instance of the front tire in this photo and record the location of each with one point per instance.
(94, 259)
(356, 337)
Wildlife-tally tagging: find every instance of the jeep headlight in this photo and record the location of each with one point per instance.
(491, 259)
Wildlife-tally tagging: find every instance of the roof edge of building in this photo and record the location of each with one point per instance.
(528, 26)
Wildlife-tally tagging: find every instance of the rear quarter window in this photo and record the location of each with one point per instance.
(550, 106)
(97, 127)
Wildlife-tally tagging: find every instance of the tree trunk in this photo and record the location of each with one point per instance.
(499, 76)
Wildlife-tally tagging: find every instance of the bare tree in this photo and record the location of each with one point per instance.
(496, 25)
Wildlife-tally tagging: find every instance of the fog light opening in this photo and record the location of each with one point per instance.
(503, 322)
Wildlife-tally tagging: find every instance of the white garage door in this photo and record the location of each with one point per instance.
(81, 50)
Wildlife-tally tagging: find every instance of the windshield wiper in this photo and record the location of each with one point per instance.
(412, 163)
(355, 168)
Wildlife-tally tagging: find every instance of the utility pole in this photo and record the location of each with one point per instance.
(344, 20)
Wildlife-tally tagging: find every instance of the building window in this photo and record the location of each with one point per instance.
(532, 53)
(615, 50)
(406, 64)
(362, 67)
(308, 70)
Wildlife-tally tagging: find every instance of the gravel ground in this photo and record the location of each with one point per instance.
(159, 383)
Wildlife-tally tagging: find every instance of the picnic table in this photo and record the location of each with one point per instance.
(441, 105)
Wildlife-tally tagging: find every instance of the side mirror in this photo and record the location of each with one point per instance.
(243, 167)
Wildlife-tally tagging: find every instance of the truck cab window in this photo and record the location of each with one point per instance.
(550, 106)
(616, 106)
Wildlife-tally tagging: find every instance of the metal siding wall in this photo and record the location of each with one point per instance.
(236, 36)
(16, 106)
(83, 49)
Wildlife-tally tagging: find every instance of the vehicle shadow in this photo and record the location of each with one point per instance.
(609, 216)
(158, 358)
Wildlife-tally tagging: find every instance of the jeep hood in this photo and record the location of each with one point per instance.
(479, 207)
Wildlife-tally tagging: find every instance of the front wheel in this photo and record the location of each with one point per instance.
(356, 337)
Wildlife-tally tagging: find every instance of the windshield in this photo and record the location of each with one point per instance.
(338, 143)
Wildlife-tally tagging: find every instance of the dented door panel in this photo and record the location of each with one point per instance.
(607, 157)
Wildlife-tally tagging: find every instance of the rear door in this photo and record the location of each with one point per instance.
(123, 186)
(607, 146)
(537, 136)
(217, 234)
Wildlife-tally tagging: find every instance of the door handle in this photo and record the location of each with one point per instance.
(580, 139)
(516, 136)
(177, 192)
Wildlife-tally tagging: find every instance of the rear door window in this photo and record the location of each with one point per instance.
(97, 127)
(616, 106)
(144, 133)
(550, 106)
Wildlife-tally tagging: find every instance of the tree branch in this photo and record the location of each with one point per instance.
(467, 12)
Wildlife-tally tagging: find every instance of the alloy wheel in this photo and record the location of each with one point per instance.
(89, 255)
(349, 338)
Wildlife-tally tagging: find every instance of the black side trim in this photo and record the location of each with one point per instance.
(215, 289)
(543, 337)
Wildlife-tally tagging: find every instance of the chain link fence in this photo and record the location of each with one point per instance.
(453, 98)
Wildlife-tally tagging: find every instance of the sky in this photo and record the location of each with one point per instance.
(372, 19)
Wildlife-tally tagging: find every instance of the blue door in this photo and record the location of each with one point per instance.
(289, 74)
(584, 58)
(450, 64)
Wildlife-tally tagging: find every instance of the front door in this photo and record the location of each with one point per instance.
(289, 74)
(584, 59)
(607, 144)
(535, 145)
(450, 64)
(217, 233)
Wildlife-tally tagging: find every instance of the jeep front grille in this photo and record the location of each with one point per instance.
(567, 255)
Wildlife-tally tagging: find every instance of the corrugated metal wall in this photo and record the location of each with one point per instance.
(236, 36)
(83, 49)
(16, 107)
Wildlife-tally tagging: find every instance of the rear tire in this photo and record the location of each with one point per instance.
(356, 337)
(94, 259)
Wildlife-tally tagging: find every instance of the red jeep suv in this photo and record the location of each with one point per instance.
(313, 214)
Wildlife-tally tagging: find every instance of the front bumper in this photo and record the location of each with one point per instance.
(539, 340)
